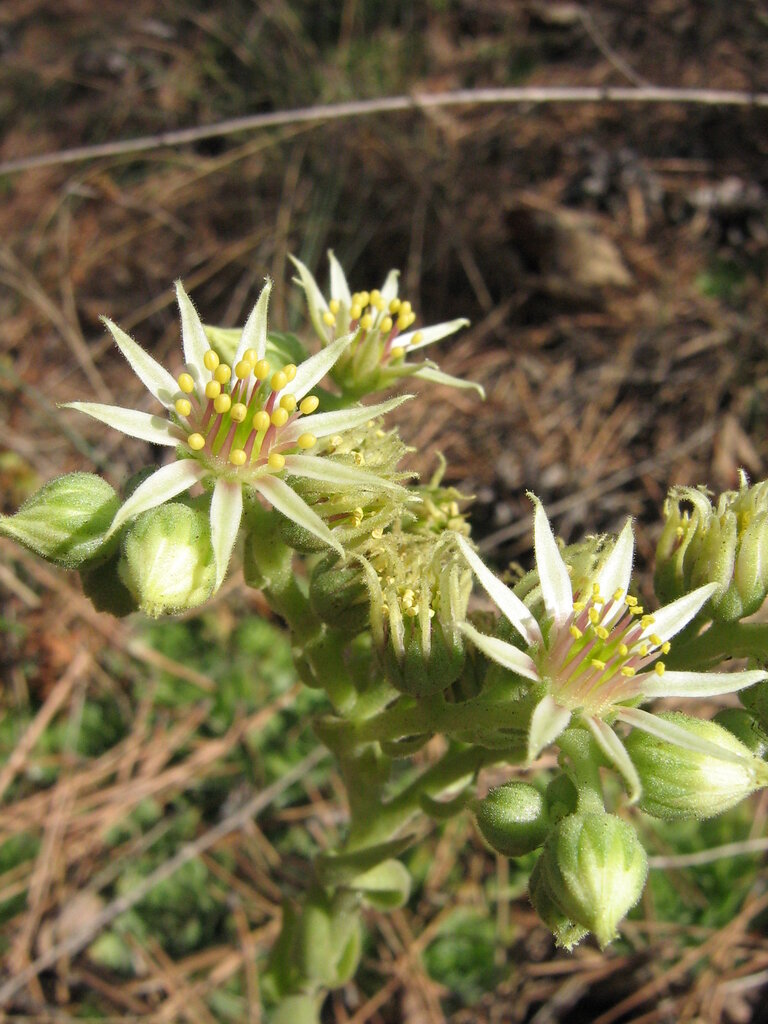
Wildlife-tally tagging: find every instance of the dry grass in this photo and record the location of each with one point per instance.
(618, 328)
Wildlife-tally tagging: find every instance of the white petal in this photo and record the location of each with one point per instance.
(436, 376)
(615, 751)
(226, 513)
(194, 340)
(390, 286)
(502, 653)
(287, 501)
(315, 301)
(429, 335)
(315, 368)
(664, 730)
(673, 617)
(616, 571)
(339, 286)
(694, 684)
(323, 424)
(155, 378)
(135, 424)
(163, 485)
(255, 331)
(314, 468)
(509, 604)
(553, 572)
(548, 720)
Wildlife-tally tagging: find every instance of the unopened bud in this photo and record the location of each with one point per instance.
(512, 819)
(66, 521)
(561, 797)
(567, 933)
(339, 595)
(420, 661)
(680, 783)
(595, 870)
(386, 886)
(167, 560)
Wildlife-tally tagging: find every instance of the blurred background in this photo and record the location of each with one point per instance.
(611, 258)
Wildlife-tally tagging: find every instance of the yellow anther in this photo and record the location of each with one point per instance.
(579, 606)
(210, 360)
(186, 383)
(276, 461)
(378, 304)
(575, 632)
(598, 600)
(416, 339)
(630, 601)
(656, 639)
(334, 305)
(623, 650)
(405, 308)
(309, 404)
(307, 441)
(666, 647)
(394, 305)
(261, 420)
(596, 663)
(453, 508)
(627, 671)
(183, 406)
(237, 457)
(375, 296)
(602, 632)
(637, 610)
(223, 373)
(644, 651)
(243, 369)
(618, 594)
(646, 621)
(377, 533)
(594, 616)
(261, 369)
(679, 532)
(359, 458)
(408, 596)
(363, 298)
(279, 417)
(212, 389)
(196, 442)
(238, 412)
(412, 612)
(355, 311)
(386, 325)
(329, 319)
(251, 355)
(290, 371)
(659, 668)
(596, 590)
(278, 380)
(288, 402)
(397, 352)
(366, 321)
(222, 404)
(403, 322)
(336, 440)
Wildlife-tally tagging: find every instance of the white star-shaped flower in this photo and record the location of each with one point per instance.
(380, 321)
(249, 425)
(598, 652)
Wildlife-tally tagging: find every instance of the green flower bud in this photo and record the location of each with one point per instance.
(339, 595)
(65, 522)
(725, 544)
(327, 939)
(745, 728)
(106, 591)
(167, 560)
(567, 933)
(561, 797)
(386, 886)
(680, 783)
(512, 819)
(595, 869)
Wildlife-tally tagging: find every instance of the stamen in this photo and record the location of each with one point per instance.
(290, 371)
(630, 601)
(602, 632)
(251, 355)
(309, 404)
(238, 412)
(394, 305)
(261, 420)
(237, 457)
(183, 406)
(334, 305)
(307, 441)
(210, 360)
(222, 404)
(386, 325)
(278, 380)
(627, 671)
(576, 633)
(579, 606)
(186, 383)
(276, 461)
(397, 352)
(212, 389)
(596, 663)
(196, 442)
(656, 639)
(279, 417)
(329, 319)
(666, 647)
(222, 374)
(243, 369)
(366, 321)
(623, 650)
(618, 594)
(594, 616)
(288, 402)
(261, 369)
(355, 311)
(416, 338)
(659, 668)
(646, 621)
